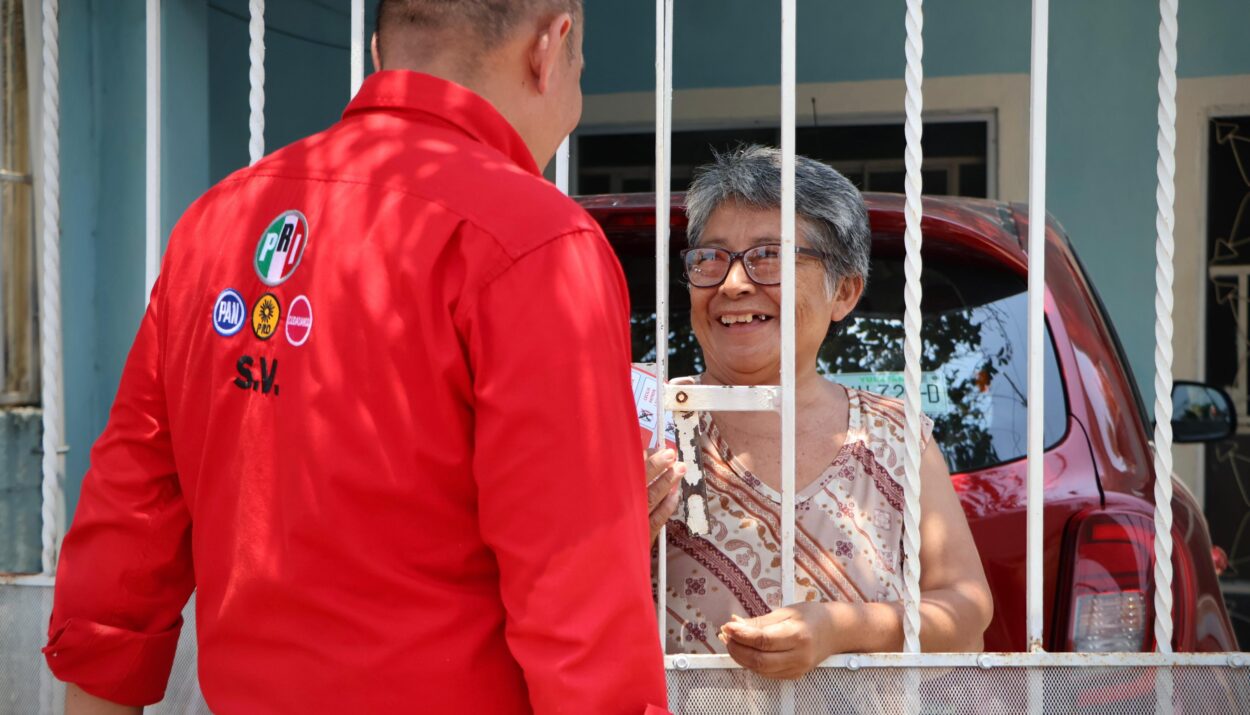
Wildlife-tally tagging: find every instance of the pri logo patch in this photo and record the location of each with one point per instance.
(265, 316)
(281, 248)
(229, 313)
(299, 319)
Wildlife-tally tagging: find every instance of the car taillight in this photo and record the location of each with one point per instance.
(1112, 596)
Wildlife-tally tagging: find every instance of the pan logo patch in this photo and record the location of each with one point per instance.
(229, 313)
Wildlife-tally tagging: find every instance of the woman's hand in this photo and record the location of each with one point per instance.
(664, 475)
(785, 644)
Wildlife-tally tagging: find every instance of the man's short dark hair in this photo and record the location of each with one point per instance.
(484, 23)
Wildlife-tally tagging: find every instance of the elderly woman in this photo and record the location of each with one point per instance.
(724, 589)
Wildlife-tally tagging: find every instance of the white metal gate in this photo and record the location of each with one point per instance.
(1038, 681)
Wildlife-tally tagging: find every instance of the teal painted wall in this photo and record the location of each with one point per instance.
(1213, 38)
(734, 43)
(103, 188)
(1101, 159)
(20, 490)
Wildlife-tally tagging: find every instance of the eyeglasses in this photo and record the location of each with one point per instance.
(708, 267)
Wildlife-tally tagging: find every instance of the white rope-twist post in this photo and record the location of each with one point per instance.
(358, 45)
(256, 80)
(50, 290)
(663, 206)
(913, 130)
(1165, 223)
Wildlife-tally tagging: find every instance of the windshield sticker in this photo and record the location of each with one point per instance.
(645, 388)
(934, 399)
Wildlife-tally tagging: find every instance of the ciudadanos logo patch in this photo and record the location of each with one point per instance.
(281, 248)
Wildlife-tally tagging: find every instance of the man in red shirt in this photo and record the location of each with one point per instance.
(377, 415)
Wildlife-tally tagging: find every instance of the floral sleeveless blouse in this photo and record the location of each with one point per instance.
(848, 540)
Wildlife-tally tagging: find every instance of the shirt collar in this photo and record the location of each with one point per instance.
(407, 91)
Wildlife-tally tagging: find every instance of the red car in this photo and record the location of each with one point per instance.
(1099, 527)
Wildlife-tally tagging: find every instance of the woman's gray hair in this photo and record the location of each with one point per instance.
(835, 220)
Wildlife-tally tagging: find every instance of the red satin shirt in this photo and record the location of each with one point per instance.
(378, 417)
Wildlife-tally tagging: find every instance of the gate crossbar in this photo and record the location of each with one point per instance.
(985, 661)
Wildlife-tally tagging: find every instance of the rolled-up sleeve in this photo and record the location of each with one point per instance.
(125, 569)
(560, 479)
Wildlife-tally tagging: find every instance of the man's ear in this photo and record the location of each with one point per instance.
(548, 50)
(846, 296)
(373, 51)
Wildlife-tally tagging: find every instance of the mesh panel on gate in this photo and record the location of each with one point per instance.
(963, 691)
(28, 688)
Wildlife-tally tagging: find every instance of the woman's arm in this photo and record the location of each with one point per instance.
(955, 604)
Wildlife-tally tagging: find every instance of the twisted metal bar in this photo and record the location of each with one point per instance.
(256, 80)
(1165, 221)
(50, 290)
(913, 129)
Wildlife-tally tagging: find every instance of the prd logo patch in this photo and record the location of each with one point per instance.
(265, 316)
(229, 313)
(281, 248)
(299, 319)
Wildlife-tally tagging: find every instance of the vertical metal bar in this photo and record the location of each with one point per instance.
(358, 45)
(913, 129)
(1037, 335)
(1036, 316)
(1241, 308)
(152, 242)
(562, 166)
(663, 208)
(50, 292)
(1165, 222)
(256, 80)
(788, 414)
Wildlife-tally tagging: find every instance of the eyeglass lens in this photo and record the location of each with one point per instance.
(706, 267)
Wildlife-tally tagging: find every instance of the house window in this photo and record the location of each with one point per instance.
(956, 161)
(19, 381)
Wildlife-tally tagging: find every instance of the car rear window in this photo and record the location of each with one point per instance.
(975, 357)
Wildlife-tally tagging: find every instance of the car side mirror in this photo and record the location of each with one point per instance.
(1201, 413)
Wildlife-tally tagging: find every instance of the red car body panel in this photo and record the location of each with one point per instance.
(1104, 460)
